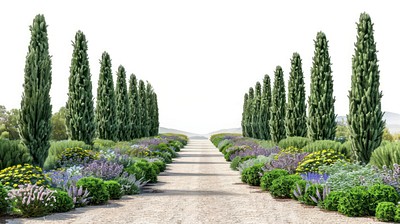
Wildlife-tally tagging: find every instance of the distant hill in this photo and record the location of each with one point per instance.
(170, 130)
(228, 130)
(392, 121)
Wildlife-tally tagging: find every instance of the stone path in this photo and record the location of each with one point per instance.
(199, 187)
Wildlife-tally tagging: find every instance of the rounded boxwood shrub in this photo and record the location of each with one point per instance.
(160, 164)
(143, 169)
(97, 190)
(385, 211)
(297, 190)
(269, 176)
(22, 174)
(64, 202)
(397, 214)
(312, 192)
(114, 189)
(251, 175)
(331, 202)
(3, 201)
(281, 187)
(381, 193)
(166, 157)
(313, 161)
(355, 202)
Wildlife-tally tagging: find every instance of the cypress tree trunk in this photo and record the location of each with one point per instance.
(144, 114)
(134, 107)
(244, 116)
(296, 121)
(278, 107)
(249, 113)
(79, 114)
(35, 116)
(123, 109)
(365, 117)
(255, 116)
(265, 111)
(321, 109)
(106, 114)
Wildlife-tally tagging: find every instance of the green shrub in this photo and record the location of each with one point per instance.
(355, 202)
(56, 148)
(64, 202)
(298, 189)
(267, 144)
(100, 144)
(312, 192)
(231, 150)
(98, 190)
(226, 143)
(162, 147)
(75, 156)
(13, 153)
(166, 157)
(251, 175)
(397, 214)
(331, 202)
(297, 142)
(177, 145)
(3, 201)
(328, 144)
(160, 164)
(281, 187)
(313, 161)
(217, 138)
(22, 174)
(269, 176)
(143, 169)
(114, 189)
(381, 193)
(386, 211)
(238, 159)
(386, 155)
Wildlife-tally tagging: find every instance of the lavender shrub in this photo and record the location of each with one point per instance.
(286, 161)
(315, 178)
(390, 176)
(103, 169)
(79, 196)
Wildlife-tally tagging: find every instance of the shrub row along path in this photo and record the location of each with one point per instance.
(199, 187)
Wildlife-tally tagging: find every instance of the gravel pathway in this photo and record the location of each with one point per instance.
(199, 187)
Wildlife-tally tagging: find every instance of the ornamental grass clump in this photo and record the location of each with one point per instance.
(103, 169)
(32, 200)
(313, 161)
(22, 174)
(79, 195)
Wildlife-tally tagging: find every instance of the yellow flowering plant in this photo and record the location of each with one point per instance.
(23, 174)
(313, 161)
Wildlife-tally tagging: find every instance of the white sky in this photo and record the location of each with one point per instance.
(200, 56)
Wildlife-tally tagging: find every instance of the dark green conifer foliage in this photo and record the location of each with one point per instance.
(278, 107)
(79, 114)
(123, 108)
(34, 120)
(255, 117)
(321, 110)
(155, 117)
(249, 112)
(134, 107)
(265, 111)
(106, 113)
(151, 108)
(296, 121)
(365, 117)
(244, 116)
(144, 114)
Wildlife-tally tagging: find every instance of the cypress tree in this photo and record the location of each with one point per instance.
(278, 107)
(265, 112)
(150, 108)
(144, 114)
(134, 107)
(123, 108)
(244, 116)
(79, 114)
(249, 113)
(296, 121)
(106, 113)
(256, 113)
(35, 117)
(321, 110)
(156, 122)
(365, 117)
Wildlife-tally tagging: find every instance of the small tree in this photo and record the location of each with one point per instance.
(59, 131)
(124, 122)
(255, 116)
(34, 122)
(144, 113)
(244, 116)
(134, 107)
(278, 107)
(265, 111)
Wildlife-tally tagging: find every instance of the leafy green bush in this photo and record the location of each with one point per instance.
(385, 211)
(313, 161)
(22, 174)
(166, 157)
(160, 164)
(3, 201)
(281, 187)
(251, 175)
(231, 150)
(270, 176)
(162, 147)
(143, 169)
(75, 156)
(56, 148)
(312, 192)
(381, 193)
(332, 200)
(100, 144)
(386, 155)
(397, 214)
(297, 142)
(13, 153)
(238, 159)
(355, 202)
(97, 189)
(328, 144)
(114, 189)
(63, 203)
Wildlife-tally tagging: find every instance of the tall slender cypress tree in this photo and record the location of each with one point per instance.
(150, 108)
(35, 117)
(249, 113)
(365, 117)
(296, 121)
(244, 116)
(321, 109)
(265, 111)
(278, 107)
(255, 116)
(123, 108)
(79, 114)
(144, 113)
(156, 122)
(134, 107)
(106, 114)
